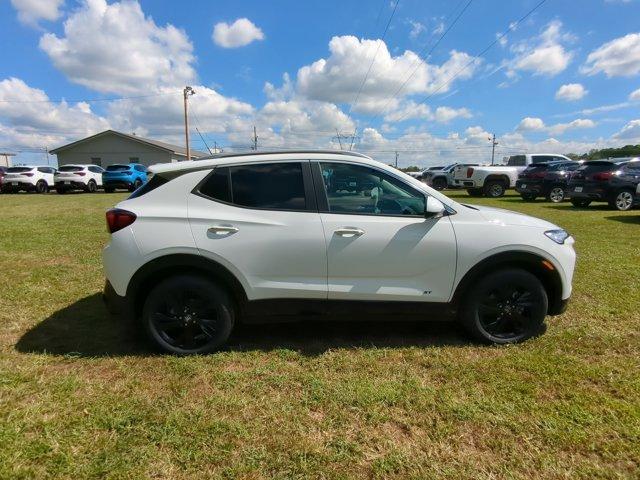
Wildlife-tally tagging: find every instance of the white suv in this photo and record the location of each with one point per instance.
(28, 178)
(279, 235)
(78, 177)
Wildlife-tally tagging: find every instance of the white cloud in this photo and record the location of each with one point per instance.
(635, 95)
(412, 110)
(534, 124)
(238, 34)
(529, 124)
(545, 54)
(631, 131)
(338, 78)
(446, 114)
(32, 11)
(571, 92)
(416, 28)
(617, 58)
(28, 118)
(114, 48)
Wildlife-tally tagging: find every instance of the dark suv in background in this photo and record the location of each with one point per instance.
(547, 179)
(613, 181)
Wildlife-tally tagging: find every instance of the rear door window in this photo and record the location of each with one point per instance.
(517, 161)
(269, 186)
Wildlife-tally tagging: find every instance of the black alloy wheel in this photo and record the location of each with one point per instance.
(188, 315)
(508, 306)
(91, 186)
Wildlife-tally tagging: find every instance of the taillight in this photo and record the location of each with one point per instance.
(469, 172)
(117, 219)
(602, 176)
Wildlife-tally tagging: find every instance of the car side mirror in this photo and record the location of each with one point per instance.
(434, 208)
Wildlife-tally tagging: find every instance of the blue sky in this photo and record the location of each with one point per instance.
(566, 79)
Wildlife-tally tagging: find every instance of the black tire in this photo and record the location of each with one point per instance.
(109, 189)
(187, 315)
(137, 184)
(61, 190)
(528, 197)
(494, 189)
(42, 187)
(439, 183)
(556, 194)
(507, 306)
(580, 202)
(92, 186)
(474, 192)
(622, 200)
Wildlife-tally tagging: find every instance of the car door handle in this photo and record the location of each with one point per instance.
(349, 232)
(222, 229)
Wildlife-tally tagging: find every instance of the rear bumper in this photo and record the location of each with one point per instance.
(17, 185)
(523, 186)
(70, 184)
(116, 304)
(121, 183)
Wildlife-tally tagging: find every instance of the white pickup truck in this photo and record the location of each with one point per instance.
(494, 180)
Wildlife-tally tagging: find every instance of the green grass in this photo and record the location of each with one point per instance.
(81, 397)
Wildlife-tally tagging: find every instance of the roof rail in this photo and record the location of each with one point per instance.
(271, 152)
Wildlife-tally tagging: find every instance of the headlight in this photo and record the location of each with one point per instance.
(558, 236)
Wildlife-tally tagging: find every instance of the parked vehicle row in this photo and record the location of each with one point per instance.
(494, 180)
(88, 178)
(443, 177)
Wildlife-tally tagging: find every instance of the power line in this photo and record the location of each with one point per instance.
(512, 26)
(423, 58)
(386, 28)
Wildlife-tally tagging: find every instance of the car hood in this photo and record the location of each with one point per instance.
(507, 217)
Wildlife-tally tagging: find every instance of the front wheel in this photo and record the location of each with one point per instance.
(580, 203)
(494, 189)
(507, 306)
(439, 184)
(188, 315)
(556, 194)
(622, 201)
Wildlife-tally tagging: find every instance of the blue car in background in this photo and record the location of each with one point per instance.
(129, 177)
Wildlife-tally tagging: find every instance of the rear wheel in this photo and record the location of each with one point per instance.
(580, 203)
(136, 185)
(556, 194)
(507, 306)
(188, 315)
(474, 192)
(91, 186)
(622, 201)
(41, 186)
(439, 183)
(528, 197)
(494, 189)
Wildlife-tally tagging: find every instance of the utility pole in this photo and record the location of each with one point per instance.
(339, 138)
(353, 138)
(187, 92)
(493, 147)
(255, 138)
(396, 159)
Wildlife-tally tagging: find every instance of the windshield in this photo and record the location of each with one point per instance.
(117, 168)
(71, 168)
(19, 169)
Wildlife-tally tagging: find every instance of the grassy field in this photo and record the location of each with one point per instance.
(81, 397)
